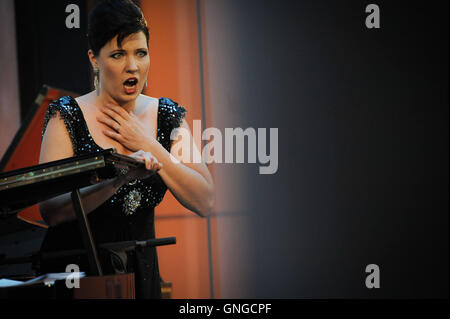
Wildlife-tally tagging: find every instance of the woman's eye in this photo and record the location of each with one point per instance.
(142, 53)
(116, 55)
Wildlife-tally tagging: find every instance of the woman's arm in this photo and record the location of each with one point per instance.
(190, 183)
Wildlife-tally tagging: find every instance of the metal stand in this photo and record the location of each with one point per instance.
(120, 246)
(95, 268)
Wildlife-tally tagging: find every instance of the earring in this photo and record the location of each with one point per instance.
(97, 81)
(145, 85)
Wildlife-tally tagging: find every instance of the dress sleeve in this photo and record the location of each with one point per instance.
(65, 109)
(170, 116)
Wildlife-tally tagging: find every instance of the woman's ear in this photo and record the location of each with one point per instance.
(92, 59)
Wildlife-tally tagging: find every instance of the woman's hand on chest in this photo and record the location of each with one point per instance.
(133, 132)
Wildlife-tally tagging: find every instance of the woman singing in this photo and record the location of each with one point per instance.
(116, 115)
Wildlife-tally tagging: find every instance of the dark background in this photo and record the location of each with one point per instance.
(363, 147)
(363, 138)
(48, 53)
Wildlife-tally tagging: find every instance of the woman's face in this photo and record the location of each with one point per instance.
(123, 71)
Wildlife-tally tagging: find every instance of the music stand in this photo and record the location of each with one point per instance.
(44, 181)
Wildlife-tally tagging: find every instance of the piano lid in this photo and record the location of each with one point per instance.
(30, 185)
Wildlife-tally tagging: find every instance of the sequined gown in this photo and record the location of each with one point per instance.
(127, 215)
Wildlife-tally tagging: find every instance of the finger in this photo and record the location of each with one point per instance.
(148, 164)
(114, 135)
(113, 115)
(109, 122)
(119, 111)
(152, 158)
(146, 160)
(152, 161)
(156, 165)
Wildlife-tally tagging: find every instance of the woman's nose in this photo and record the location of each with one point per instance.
(131, 65)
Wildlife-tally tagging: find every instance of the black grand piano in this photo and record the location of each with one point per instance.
(27, 186)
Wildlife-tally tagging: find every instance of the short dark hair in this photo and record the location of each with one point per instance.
(114, 17)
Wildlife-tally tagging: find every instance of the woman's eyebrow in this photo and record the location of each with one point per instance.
(122, 50)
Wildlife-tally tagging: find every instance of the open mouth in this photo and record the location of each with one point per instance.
(130, 85)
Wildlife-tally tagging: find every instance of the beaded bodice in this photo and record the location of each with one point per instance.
(136, 195)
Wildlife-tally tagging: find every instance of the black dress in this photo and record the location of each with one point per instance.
(127, 215)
